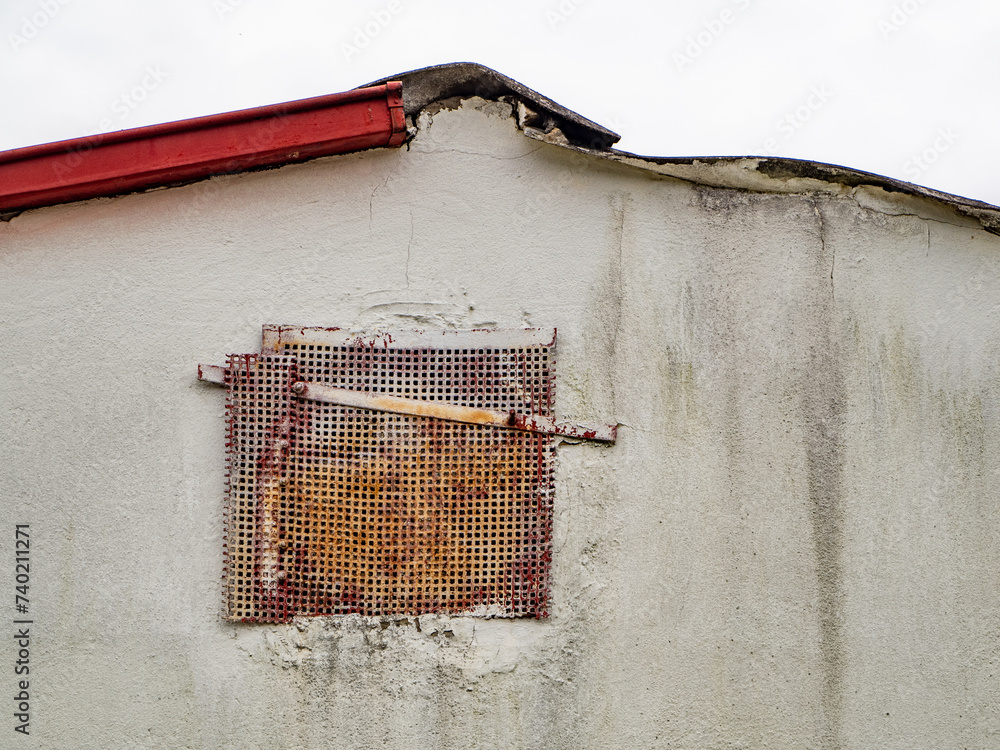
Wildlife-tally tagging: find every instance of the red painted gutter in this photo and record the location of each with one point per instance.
(130, 160)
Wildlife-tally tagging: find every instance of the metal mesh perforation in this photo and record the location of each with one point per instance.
(334, 510)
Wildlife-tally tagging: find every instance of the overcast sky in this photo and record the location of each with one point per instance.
(904, 88)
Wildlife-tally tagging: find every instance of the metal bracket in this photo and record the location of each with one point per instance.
(212, 374)
(450, 412)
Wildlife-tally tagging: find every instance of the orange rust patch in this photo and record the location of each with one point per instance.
(407, 520)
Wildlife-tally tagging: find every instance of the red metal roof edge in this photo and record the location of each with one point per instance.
(188, 150)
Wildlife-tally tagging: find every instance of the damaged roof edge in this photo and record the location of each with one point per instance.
(785, 175)
(426, 86)
(437, 83)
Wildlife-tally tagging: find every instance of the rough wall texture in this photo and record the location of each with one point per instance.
(794, 542)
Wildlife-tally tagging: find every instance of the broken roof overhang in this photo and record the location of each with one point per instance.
(782, 175)
(188, 150)
(439, 83)
(427, 88)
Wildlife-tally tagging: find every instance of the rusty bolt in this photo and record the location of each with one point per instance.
(282, 444)
(282, 481)
(282, 575)
(298, 387)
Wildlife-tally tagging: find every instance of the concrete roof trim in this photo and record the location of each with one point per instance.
(768, 174)
(784, 175)
(543, 119)
(425, 87)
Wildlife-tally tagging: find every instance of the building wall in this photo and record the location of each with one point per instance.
(794, 542)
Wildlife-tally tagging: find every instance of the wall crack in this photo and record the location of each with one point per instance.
(824, 404)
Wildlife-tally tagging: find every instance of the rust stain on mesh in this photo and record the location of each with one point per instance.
(337, 510)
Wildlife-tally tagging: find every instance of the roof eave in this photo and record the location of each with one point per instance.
(769, 174)
(426, 86)
(188, 150)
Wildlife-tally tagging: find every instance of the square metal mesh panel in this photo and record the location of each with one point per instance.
(335, 510)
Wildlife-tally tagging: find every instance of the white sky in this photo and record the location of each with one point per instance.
(904, 88)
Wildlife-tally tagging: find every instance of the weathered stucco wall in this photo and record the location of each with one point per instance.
(794, 542)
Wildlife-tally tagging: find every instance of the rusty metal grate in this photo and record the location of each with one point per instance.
(335, 509)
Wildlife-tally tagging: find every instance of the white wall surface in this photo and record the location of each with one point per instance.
(794, 543)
